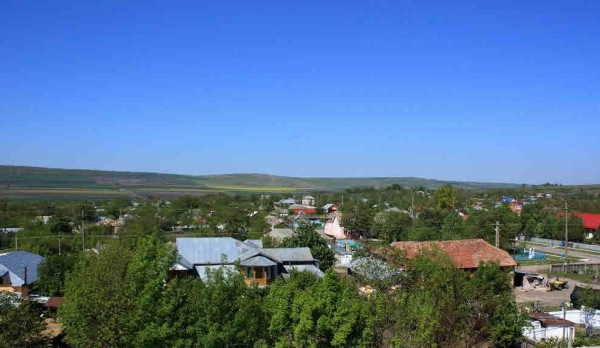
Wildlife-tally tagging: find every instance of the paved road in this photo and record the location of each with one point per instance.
(593, 258)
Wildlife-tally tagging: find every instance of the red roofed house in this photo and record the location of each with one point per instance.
(591, 222)
(467, 253)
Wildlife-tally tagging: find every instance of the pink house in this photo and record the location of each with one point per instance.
(333, 228)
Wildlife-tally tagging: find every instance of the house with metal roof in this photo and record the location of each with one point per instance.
(18, 269)
(203, 255)
(308, 200)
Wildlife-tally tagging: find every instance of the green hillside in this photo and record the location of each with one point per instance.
(49, 183)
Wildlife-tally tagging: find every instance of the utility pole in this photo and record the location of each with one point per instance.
(566, 231)
(16, 241)
(497, 234)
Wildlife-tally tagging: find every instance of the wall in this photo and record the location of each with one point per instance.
(555, 242)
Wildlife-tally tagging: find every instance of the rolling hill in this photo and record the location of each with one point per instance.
(47, 183)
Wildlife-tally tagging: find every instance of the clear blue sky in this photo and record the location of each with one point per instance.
(459, 90)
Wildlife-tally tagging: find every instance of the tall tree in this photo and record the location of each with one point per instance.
(20, 323)
(445, 197)
(307, 236)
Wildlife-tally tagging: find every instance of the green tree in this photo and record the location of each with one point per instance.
(445, 197)
(306, 236)
(52, 273)
(20, 323)
(358, 217)
(391, 226)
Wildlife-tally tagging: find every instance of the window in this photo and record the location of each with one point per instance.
(259, 273)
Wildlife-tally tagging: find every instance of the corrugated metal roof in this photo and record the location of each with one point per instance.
(305, 268)
(203, 270)
(210, 250)
(255, 242)
(258, 261)
(290, 254)
(15, 262)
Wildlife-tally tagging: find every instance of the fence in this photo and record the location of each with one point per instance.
(575, 267)
(560, 243)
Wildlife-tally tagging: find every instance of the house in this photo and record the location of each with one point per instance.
(546, 325)
(287, 201)
(330, 208)
(548, 196)
(301, 208)
(18, 269)
(333, 228)
(308, 200)
(200, 256)
(466, 254)
(591, 222)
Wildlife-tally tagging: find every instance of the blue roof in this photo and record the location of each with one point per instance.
(507, 200)
(210, 250)
(13, 265)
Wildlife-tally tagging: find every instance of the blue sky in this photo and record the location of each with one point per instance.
(456, 90)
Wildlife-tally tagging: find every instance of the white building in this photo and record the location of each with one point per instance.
(546, 325)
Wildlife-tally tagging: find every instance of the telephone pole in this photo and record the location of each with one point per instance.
(497, 234)
(566, 231)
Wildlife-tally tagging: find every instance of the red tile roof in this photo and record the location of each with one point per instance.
(590, 221)
(55, 302)
(465, 253)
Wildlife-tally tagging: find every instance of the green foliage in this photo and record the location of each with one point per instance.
(52, 273)
(445, 197)
(391, 226)
(20, 323)
(358, 217)
(307, 236)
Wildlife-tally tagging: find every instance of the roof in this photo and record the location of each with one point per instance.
(13, 264)
(55, 302)
(281, 233)
(467, 253)
(288, 201)
(210, 250)
(290, 254)
(254, 242)
(258, 261)
(203, 270)
(328, 205)
(305, 268)
(547, 319)
(308, 197)
(590, 221)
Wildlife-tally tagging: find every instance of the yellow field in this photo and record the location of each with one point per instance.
(258, 188)
(64, 190)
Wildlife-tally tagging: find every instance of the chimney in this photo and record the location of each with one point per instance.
(25, 286)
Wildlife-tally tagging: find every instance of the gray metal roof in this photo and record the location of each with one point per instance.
(13, 264)
(305, 268)
(258, 261)
(203, 270)
(280, 233)
(290, 254)
(255, 242)
(210, 250)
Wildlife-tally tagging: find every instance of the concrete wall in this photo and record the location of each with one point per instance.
(554, 242)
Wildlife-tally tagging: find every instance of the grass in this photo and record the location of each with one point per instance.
(583, 278)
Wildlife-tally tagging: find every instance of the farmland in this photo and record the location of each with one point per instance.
(52, 183)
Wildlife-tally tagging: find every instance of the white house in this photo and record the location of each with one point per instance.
(546, 325)
(308, 200)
